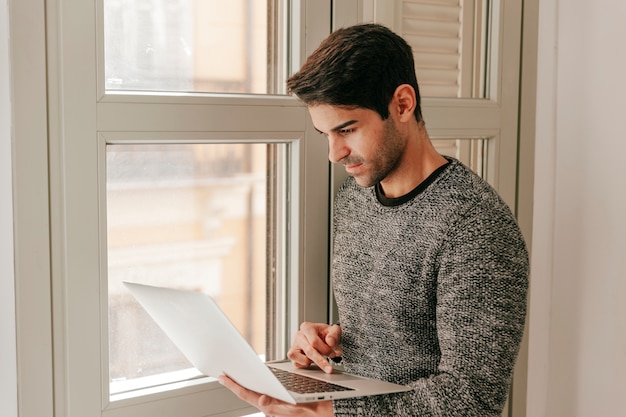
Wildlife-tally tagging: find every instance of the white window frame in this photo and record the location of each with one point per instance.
(72, 112)
(8, 354)
(27, 23)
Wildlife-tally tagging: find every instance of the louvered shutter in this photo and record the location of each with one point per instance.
(433, 29)
(449, 41)
(441, 33)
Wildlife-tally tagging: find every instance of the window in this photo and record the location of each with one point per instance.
(190, 216)
(467, 55)
(180, 164)
(103, 117)
(450, 43)
(468, 79)
(188, 45)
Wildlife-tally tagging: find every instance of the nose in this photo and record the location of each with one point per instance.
(337, 149)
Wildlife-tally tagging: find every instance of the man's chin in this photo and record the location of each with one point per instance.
(363, 182)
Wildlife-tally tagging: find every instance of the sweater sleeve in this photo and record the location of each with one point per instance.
(482, 286)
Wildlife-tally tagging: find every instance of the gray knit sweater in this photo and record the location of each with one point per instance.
(431, 293)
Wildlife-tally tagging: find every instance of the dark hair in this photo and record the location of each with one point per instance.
(359, 66)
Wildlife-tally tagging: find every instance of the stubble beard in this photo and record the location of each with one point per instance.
(388, 156)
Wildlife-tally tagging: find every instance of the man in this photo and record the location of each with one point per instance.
(430, 270)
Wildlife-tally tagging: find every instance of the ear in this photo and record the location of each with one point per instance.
(403, 102)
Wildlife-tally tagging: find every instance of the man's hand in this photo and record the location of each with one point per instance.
(315, 342)
(273, 407)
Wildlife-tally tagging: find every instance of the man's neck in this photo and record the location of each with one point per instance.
(417, 163)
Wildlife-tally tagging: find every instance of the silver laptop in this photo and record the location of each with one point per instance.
(213, 345)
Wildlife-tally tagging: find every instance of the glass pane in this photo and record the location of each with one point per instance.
(472, 152)
(189, 216)
(449, 41)
(188, 45)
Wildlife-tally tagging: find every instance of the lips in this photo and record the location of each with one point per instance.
(351, 168)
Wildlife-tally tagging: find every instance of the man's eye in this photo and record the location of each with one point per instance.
(346, 131)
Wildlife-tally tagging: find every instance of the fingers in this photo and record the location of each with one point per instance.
(314, 349)
(298, 357)
(271, 406)
(333, 339)
(314, 343)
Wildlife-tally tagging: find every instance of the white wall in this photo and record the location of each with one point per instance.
(8, 382)
(577, 350)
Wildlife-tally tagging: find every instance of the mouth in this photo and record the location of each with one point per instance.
(352, 168)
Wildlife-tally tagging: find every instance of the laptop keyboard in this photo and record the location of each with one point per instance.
(305, 385)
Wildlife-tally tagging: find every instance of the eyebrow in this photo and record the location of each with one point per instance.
(339, 127)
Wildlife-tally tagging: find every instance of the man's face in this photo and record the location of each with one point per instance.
(368, 147)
